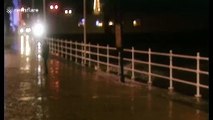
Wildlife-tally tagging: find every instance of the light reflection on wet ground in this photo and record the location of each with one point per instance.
(72, 92)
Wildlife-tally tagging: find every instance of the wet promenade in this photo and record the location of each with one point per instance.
(73, 92)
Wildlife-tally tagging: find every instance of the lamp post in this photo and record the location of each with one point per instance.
(85, 37)
(44, 11)
(118, 37)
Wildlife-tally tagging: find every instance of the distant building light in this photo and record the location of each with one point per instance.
(82, 20)
(51, 7)
(98, 23)
(66, 11)
(111, 23)
(81, 23)
(70, 11)
(56, 6)
(136, 22)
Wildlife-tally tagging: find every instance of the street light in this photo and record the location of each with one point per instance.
(51, 7)
(54, 6)
(68, 12)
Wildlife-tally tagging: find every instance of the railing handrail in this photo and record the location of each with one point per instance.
(75, 51)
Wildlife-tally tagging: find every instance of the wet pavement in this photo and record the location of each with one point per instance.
(73, 92)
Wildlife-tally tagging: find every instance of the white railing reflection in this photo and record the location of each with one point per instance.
(25, 45)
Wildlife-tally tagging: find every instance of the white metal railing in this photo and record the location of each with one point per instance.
(74, 52)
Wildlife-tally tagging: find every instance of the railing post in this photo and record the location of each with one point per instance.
(76, 52)
(98, 57)
(55, 45)
(61, 47)
(150, 72)
(89, 55)
(85, 54)
(198, 95)
(71, 50)
(170, 71)
(52, 46)
(66, 46)
(107, 58)
(133, 64)
(82, 53)
(57, 48)
(119, 63)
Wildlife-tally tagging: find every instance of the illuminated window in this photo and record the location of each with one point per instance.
(110, 23)
(56, 6)
(70, 11)
(136, 22)
(99, 23)
(51, 7)
(81, 23)
(66, 11)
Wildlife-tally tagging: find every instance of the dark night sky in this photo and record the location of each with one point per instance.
(154, 12)
(141, 5)
(138, 5)
(150, 5)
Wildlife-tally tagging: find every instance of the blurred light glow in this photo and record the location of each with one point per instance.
(66, 11)
(27, 52)
(98, 23)
(38, 29)
(21, 30)
(39, 79)
(96, 7)
(27, 59)
(136, 22)
(51, 7)
(70, 11)
(22, 44)
(81, 23)
(39, 68)
(27, 67)
(39, 56)
(39, 45)
(111, 23)
(28, 30)
(83, 20)
(56, 6)
(39, 48)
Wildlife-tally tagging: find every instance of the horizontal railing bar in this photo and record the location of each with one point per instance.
(160, 76)
(161, 54)
(184, 69)
(183, 81)
(160, 65)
